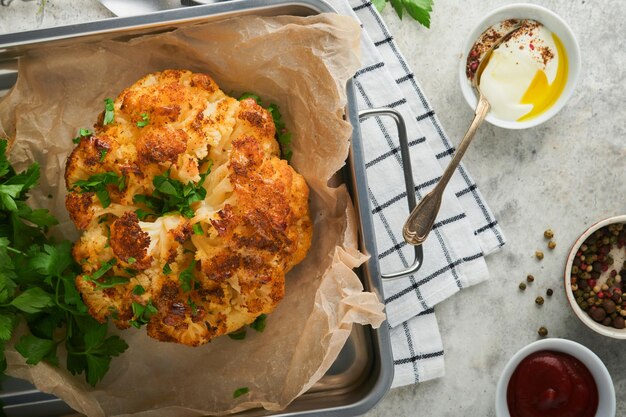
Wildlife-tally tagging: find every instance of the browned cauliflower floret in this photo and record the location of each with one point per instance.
(190, 219)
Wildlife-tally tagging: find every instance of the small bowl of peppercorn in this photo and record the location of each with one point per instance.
(595, 277)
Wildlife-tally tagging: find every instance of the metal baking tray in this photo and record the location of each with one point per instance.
(363, 372)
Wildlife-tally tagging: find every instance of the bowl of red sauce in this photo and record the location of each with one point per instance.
(555, 378)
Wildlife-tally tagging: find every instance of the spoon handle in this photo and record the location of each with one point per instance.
(423, 216)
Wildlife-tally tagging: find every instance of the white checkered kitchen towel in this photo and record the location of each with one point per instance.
(465, 230)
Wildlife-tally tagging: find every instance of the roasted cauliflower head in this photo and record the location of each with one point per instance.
(189, 218)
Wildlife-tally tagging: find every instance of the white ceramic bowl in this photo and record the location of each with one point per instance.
(580, 313)
(606, 390)
(551, 21)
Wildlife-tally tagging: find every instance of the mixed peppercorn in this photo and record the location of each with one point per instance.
(596, 281)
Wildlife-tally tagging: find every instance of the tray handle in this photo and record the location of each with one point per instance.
(408, 180)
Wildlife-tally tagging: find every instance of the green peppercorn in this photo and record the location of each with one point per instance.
(551, 244)
(584, 305)
(539, 300)
(548, 234)
(522, 286)
(539, 254)
(543, 332)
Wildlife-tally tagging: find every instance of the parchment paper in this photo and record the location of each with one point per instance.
(300, 63)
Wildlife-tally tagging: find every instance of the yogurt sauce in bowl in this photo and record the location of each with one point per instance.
(527, 79)
(525, 75)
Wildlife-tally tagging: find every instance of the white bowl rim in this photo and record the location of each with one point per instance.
(604, 382)
(574, 60)
(584, 317)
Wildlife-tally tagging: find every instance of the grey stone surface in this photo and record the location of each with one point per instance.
(565, 174)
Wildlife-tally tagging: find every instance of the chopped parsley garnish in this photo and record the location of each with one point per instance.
(142, 313)
(109, 109)
(103, 154)
(240, 391)
(238, 334)
(37, 290)
(104, 268)
(98, 183)
(145, 119)
(112, 281)
(283, 136)
(81, 133)
(171, 195)
(187, 278)
(131, 260)
(167, 269)
(259, 323)
(197, 229)
(139, 290)
(194, 306)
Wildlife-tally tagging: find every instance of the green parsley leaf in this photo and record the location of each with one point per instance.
(103, 154)
(35, 349)
(110, 282)
(145, 119)
(397, 6)
(187, 278)
(240, 391)
(98, 183)
(194, 306)
(419, 10)
(142, 313)
(7, 325)
(131, 260)
(97, 367)
(81, 134)
(259, 323)
(53, 260)
(379, 4)
(167, 269)
(238, 334)
(5, 166)
(197, 229)
(109, 109)
(171, 195)
(139, 290)
(142, 214)
(33, 300)
(104, 268)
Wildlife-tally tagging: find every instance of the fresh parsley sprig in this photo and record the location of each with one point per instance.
(37, 286)
(417, 9)
(99, 183)
(109, 111)
(171, 195)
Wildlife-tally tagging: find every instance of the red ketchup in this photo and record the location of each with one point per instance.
(552, 384)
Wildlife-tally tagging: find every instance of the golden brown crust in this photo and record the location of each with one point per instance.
(219, 270)
(129, 241)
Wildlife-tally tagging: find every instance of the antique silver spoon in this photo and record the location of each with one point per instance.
(421, 219)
